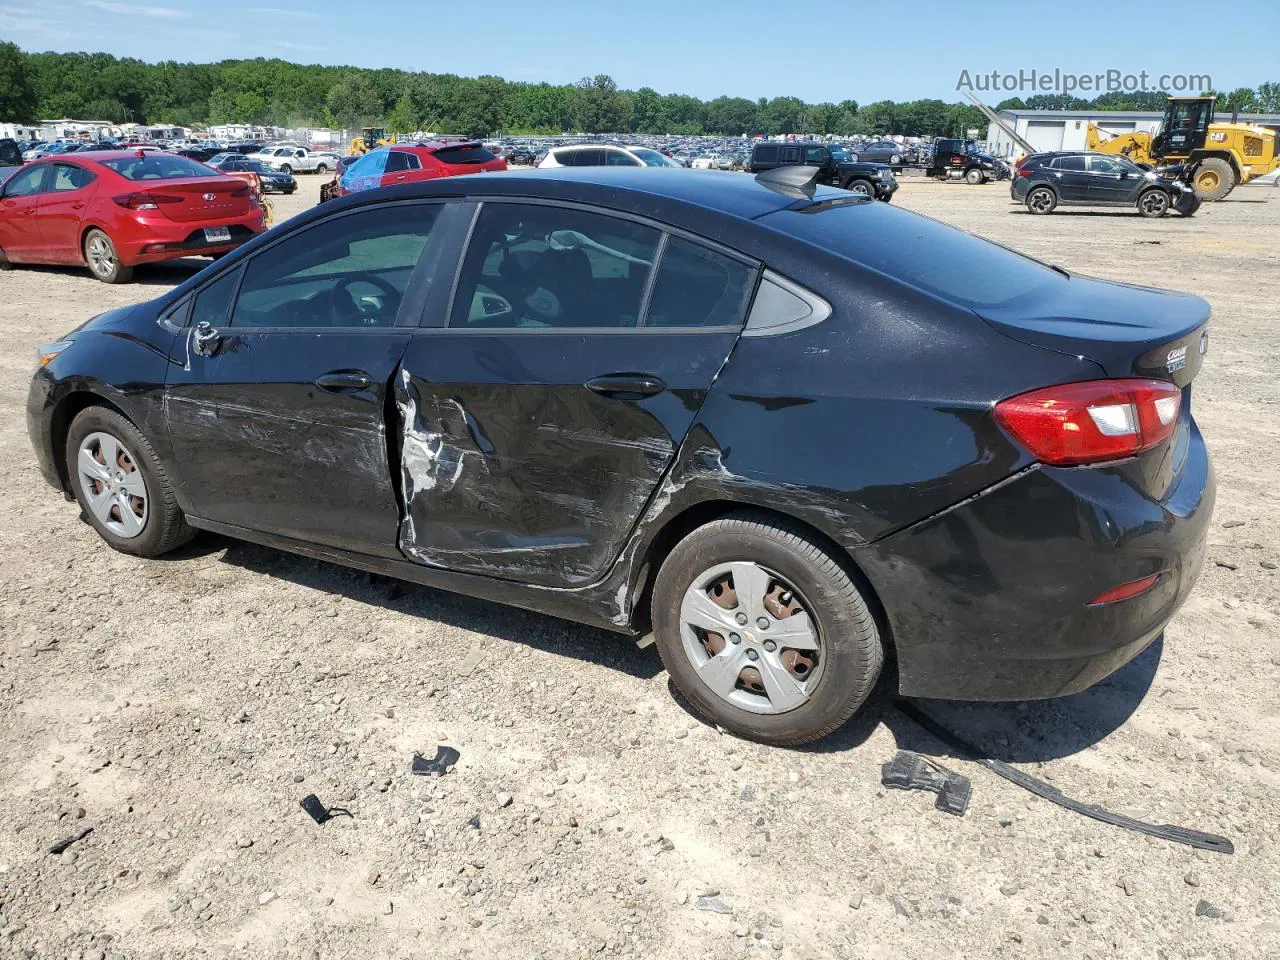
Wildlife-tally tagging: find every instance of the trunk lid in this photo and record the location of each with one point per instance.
(207, 198)
(1128, 330)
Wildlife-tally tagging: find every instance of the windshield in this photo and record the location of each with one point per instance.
(652, 158)
(971, 149)
(159, 166)
(920, 251)
(463, 154)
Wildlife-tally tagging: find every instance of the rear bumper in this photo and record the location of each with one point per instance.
(989, 600)
(168, 240)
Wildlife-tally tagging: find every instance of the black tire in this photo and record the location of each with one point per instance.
(895, 160)
(1041, 200)
(975, 176)
(5, 262)
(165, 528)
(286, 170)
(1213, 179)
(864, 187)
(104, 266)
(852, 654)
(322, 169)
(1153, 203)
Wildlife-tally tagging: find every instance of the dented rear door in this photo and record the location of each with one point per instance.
(531, 437)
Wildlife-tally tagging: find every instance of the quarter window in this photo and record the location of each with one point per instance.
(533, 266)
(697, 287)
(350, 271)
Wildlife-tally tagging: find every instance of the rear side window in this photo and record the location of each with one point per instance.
(1068, 163)
(158, 166)
(766, 154)
(536, 267)
(920, 251)
(398, 161)
(815, 155)
(791, 155)
(620, 158)
(350, 271)
(67, 178)
(697, 287)
(463, 154)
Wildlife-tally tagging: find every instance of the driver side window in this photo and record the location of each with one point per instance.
(350, 271)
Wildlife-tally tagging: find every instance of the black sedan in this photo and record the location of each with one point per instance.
(1045, 181)
(884, 151)
(789, 430)
(273, 181)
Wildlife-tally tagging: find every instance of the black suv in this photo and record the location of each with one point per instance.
(873, 179)
(1045, 180)
(10, 153)
(961, 159)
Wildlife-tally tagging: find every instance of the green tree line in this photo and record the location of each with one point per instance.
(98, 86)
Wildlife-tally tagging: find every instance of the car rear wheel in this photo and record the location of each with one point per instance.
(104, 263)
(764, 632)
(322, 169)
(864, 187)
(286, 170)
(975, 176)
(1041, 200)
(121, 485)
(1153, 203)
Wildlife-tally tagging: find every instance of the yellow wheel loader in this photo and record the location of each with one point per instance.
(1220, 155)
(369, 138)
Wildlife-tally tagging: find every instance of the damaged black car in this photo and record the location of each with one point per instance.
(792, 432)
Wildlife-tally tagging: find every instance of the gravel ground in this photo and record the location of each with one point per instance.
(183, 707)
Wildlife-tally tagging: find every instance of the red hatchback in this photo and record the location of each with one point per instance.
(114, 209)
(404, 163)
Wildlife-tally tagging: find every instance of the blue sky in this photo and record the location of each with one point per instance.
(706, 48)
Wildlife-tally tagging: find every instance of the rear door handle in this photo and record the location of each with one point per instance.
(340, 381)
(626, 384)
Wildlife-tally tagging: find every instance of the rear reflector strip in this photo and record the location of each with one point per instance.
(1126, 591)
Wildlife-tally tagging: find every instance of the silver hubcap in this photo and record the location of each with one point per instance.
(750, 638)
(113, 486)
(861, 188)
(101, 257)
(1153, 202)
(1041, 200)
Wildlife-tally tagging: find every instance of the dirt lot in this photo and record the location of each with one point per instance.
(183, 707)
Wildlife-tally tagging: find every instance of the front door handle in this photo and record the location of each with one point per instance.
(341, 381)
(625, 385)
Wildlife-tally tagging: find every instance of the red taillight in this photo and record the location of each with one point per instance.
(1126, 591)
(1094, 421)
(239, 192)
(957, 159)
(144, 201)
(1025, 171)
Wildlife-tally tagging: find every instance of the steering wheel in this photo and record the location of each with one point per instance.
(336, 299)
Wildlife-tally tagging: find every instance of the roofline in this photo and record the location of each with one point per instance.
(1128, 114)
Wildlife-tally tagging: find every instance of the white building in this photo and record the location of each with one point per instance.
(19, 131)
(1069, 129)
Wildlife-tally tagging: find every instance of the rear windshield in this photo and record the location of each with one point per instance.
(159, 166)
(463, 154)
(920, 251)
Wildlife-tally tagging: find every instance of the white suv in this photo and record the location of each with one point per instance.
(604, 155)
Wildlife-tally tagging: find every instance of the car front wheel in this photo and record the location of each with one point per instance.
(975, 176)
(863, 187)
(1153, 203)
(1041, 200)
(121, 485)
(764, 632)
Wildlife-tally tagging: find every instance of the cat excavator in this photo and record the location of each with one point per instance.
(1220, 155)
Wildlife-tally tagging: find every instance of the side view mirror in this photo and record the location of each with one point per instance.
(205, 340)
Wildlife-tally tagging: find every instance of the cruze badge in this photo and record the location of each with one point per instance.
(1177, 359)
